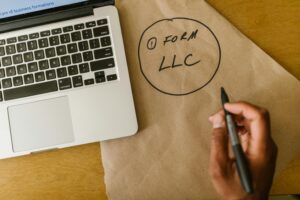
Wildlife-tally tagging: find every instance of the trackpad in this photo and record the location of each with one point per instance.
(40, 124)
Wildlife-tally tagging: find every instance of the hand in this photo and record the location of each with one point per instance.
(253, 126)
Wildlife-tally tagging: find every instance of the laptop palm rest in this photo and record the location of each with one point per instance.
(40, 124)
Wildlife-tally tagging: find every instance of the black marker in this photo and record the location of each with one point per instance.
(241, 162)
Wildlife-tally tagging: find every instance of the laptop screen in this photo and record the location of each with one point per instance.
(13, 8)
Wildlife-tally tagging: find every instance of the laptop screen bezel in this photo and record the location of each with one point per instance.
(88, 3)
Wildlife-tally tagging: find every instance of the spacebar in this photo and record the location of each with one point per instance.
(30, 90)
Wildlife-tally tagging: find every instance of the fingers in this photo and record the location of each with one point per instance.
(219, 145)
(258, 121)
(244, 109)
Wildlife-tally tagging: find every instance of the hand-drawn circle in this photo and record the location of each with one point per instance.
(152, 43)
(156, 84)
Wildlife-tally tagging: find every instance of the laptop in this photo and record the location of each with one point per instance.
(63, 75)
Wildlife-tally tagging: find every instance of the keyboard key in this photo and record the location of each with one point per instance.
(39, 76)
(72, 48)
(89, 81)
(90, 24)
(76, 58)
(56, 31)
(39, 54)
(87, 56)
(21, 47)
(101, 31)
(45, 33)
(1, 97)
(2, 51)
(10, 71)
(84, 68)
(54, 62)
(6, 61)
(102, 64)
(28, 78)
(105, 41)
(65, 83)
(68, 29)
(21, 69)
(79, 26)
(11, 40)
(10, 49)
(50, 74)
(2, 73)
(77, 81)
(65, 60)
(17, 59)
(61, 72)
(43, 43)
(100, 77)
(43, 64)
(50, 52)
(102, 53)
(18, 81)
(32, 67)
(30, 90)
(73, 70)
(54, 41)
(32, 45)
(65, 38)
(6, 83)
(102, 21)
(61, 50)
(28, 56)
(22, 38)
(83, 46)
(94, 43)
(34, 35)
(2, 42)
(76, 36)
(69, 55)
(87, 34)
(98, 74)
(112, 77)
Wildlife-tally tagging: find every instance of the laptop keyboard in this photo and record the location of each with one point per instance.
(59, 59)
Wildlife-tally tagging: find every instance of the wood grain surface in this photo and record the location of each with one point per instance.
(67, 174)
(77, 173)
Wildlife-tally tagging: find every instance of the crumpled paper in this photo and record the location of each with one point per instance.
(179, 55)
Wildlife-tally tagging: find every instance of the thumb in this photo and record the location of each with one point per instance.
(219, 156)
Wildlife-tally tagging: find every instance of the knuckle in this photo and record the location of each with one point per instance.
(263, 112)
(219, 133)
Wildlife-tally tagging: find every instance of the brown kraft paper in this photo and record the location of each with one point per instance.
(179, 55)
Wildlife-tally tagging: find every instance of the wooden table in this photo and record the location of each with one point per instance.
(77, 173)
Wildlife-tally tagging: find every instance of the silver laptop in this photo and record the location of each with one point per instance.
(63, 75)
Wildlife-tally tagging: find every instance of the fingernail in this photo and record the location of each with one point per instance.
(218, 122)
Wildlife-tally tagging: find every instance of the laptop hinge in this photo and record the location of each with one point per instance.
(46, 18)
